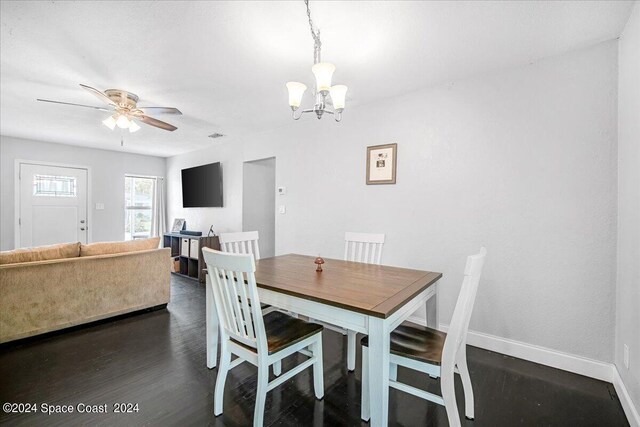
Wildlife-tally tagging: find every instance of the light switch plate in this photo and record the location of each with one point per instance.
(99, 206)
(282, 209)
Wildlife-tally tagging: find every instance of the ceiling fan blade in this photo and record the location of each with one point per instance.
(155, 122)
(75, 105)
(159, 110)
(100, 95)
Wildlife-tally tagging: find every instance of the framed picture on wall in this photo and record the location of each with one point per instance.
(381, 164)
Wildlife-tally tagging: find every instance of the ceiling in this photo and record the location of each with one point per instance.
(225, 64)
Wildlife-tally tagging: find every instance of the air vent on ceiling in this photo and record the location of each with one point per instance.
(216, 135)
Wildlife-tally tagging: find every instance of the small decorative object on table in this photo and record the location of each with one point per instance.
(319, 261)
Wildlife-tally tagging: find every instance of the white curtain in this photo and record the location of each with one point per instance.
(158, 226)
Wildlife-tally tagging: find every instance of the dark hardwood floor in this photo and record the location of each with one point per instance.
(157, 360)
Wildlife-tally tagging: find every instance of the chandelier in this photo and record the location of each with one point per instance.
(323, 72)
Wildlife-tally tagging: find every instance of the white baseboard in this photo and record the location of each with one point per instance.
(627, 404)
(544, 356)
(555, 359)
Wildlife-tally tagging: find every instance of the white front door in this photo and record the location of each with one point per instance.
(53, 205)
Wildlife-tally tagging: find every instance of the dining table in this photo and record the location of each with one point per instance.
(367, 298)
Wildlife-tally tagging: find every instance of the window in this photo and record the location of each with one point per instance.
(139, 195)
(54, 186)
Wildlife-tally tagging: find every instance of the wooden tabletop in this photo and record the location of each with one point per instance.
(375, 290)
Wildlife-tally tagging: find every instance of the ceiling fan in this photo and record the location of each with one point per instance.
(125, 111)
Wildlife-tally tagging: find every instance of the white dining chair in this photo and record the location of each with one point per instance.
(363, 247)
(243, 242)
(246, 242)
(358, 247)
(433, 352)
(252, 337)
(367, 248)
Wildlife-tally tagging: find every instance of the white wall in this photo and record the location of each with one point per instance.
(259, 202)
(522, 161)
(227, 218)
(107, 170)
(628, 289)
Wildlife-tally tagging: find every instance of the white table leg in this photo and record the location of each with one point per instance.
(212, 327)
(378, 371)
(433, 320)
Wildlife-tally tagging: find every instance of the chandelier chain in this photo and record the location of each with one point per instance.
(315, 34)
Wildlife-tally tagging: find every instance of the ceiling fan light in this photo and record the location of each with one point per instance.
(122, 122)
(133, 127)
(109, 122)
(323, 72)
(338, 96)
(296, 90)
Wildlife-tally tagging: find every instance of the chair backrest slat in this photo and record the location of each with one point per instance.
(235, 294)
(245, 301)
(245, 242)
(363, 247)
(457, 333)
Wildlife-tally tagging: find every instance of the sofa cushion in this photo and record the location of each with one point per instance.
(41, 253)
(104, 248)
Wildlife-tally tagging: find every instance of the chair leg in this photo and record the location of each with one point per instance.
(466, 382)
(318, 371)
(351, 350)
(261, 395)
(393, 371)
(212, 329)
(223, 370)
(365, 410)
(277, 368)
(447, 386)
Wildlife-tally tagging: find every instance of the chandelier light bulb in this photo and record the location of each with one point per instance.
(323, 72)
(338, 96)
(296, 90)
(109, 122)
(122, 122)
(133, 127)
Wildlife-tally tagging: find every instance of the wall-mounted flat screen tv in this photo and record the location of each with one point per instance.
(202, 186)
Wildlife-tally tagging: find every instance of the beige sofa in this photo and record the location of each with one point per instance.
(51, 288)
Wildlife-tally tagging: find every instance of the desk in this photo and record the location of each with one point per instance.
(367, 298)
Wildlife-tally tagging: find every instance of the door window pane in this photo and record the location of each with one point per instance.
(138, 196)
(54, 186)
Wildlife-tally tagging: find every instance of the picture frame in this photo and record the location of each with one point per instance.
(178, 225)
(381, 164)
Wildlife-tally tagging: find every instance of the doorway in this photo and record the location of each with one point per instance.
(259, 202)
(52, 204)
